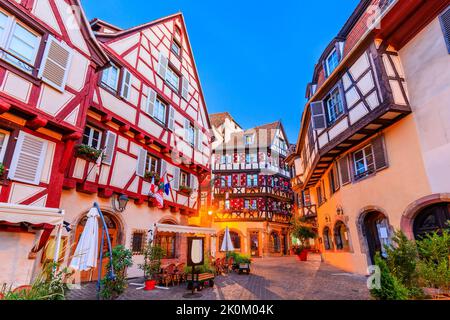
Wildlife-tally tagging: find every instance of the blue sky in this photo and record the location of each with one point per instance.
(255, 58)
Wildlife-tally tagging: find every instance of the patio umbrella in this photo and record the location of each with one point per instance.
(227, 245)
(86, 253)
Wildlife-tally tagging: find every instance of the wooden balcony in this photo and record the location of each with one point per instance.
(309, 212)
(265, 167)
(278, 216)
(297, 183)
(258, 191)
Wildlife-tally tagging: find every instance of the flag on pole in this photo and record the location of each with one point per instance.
(161, 184)
(159, 196)
(167, 188)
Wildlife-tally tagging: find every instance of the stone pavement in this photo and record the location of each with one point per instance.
(270, 279)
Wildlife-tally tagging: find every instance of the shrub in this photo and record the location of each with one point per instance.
(88, 153)
(2, 169)
(152, 261)
(121, 260)
(434, 265)
(207, 267)
(239, 258)
(391, 288)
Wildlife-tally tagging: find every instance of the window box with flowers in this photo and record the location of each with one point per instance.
(186, 190)
(87, 153)
(150, 175)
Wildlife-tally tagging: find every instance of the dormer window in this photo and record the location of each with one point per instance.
(248, 139)
(331, 62)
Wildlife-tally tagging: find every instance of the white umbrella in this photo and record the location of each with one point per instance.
(227, 245)
(85, 256)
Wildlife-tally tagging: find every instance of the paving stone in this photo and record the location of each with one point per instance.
(271, 279)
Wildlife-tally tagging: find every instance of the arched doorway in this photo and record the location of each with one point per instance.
(114, 230)
(376, 230)
(341, 237)
(433, 218)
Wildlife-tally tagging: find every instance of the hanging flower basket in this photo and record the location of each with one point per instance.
(87, 153)
(187, 191)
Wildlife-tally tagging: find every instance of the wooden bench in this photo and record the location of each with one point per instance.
(200, 281)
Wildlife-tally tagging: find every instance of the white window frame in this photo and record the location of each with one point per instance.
(107, 73)
(5, 43)
(184, 176)
(159, 105)
(339, 107)
(171, 78)
(178, 54)
(148, 163)
(91, 137)
(330, 68)
(253, 179)
(4, 145)
(251, 140)
(364, 160)
(191, 134)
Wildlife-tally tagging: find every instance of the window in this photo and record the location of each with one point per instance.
(364, 162)
(252, 180)
(167, 242)
(173, 79)
(176, 48)
(138, 242)
(227, 205)
(151, 164)
(248, 139)
(184, 179)
(225, 159)
(250, 158)
(92, 137)
(159, 111)
(282, 145)
(226, 181)
(4, 138)
(341, 236)
(110, 78)
(306, 198)
(250, 204)
(191, 134)
(275, 242)
(320, 197)
(235, 240)
(332, 62)
(19, 45)
(334, 106)
(327, 239)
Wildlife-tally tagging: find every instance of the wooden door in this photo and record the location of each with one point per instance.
(113, 230)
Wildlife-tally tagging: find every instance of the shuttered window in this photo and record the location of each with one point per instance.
(126, 84)
(379, 153)
(151, 100)
(110, 78)
(185, 88)
(445, 22)
(92, 137)
(333, 180)
(162, 65)
(110, 145)
(55, 64)
(176, 179)
(318, 116)
(189, 132)
(142, 159)
(28, 159)
(344, 171)
(159, 111)
(171, 121)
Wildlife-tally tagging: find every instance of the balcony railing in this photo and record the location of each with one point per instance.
(253, 215)
(309, 211)
(263, 166)
(277, 192)
(297, 182)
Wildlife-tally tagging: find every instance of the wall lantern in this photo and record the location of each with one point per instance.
(339, 210)
(120, 203)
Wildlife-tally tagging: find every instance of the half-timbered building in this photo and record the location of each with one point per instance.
(371, 156)
(148, 119)
(48, 58)
(251, 186)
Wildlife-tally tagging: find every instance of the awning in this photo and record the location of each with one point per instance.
(15, 213)
(184, 229)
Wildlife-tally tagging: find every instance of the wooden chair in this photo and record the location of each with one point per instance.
(218, 265)
(168, 274)
(230, 264)
(224, 263)
(179, 275)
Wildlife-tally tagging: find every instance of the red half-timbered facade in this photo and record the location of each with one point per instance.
(48, 58)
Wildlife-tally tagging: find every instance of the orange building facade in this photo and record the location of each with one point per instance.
(372, 155)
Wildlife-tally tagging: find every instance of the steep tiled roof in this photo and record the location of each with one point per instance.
(217, 119)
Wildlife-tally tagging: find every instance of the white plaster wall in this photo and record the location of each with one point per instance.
(426, 63)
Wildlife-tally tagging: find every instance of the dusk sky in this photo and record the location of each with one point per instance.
(254, 57)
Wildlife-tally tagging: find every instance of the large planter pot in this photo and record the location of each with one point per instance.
(303, 256)
(150, 285)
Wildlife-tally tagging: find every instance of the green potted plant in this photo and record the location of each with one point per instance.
(241, 262)
(122, 258)
(186, 190)
(87, 153)
(151, 265)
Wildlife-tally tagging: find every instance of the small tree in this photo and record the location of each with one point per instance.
(302, 232)
(152, 261)
(390, 287)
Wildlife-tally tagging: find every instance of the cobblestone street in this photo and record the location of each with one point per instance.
(270, 279)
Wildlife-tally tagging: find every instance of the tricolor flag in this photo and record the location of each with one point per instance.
(159, 196)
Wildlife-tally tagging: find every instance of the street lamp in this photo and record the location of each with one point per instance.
(122, 201)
